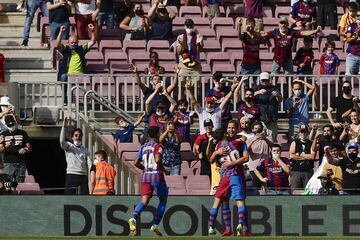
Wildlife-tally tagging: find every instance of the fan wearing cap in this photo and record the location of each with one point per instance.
(283, 40)
(267, 98)
(6, 108)
(303, 14)
(161, 21)
(350, 166)
(210, 110)
(297, 107)
(302, 159)
(15, 145)
(188, 48)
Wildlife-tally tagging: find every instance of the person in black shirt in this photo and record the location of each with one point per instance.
(59, 13)
(350, 167)
(14, 144)
(341, 104)
(106, 14)
(327, 9)
(122, 10)
(304, 58)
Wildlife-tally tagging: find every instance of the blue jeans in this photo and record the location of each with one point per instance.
(32, 6)
(288, 67)
(174, 170)
(18, 168)
(108, 18)
(352, 64)
(55, 28)
(250, 70)
(64, 78)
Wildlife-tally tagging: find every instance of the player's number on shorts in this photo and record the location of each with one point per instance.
(149, 161)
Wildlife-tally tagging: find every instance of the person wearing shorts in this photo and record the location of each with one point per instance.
(149, 159)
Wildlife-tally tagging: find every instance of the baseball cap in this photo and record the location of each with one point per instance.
(352, 145)
(189, 22)
(283, 19)
(208, 122)
(264, 75)
(303, 129)
(210, 99)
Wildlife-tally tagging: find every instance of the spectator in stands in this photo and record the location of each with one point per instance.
(1, 7)
(161, 116)
(74, 55)
(136, 24)
(218, 92)
(351, 131)
(341, 104)
(154, 65)
(303, 14)
(347, 19)
(15, 145)
(86, 12)
(188, 48)
(352, 38)
(125, 132)
(161, 18)
(183, 119)
(297, 107)
(102, 175)
(6, 108)
(283, 40)
(302, 160)
(248, 108)
(273, 172)
(350, 168)
(213, 9)
(106, 14)
(251, 45)
(78, 161)
(59, 13)
(304, 58)
(254, 10)
(259, 149)
(245, 128)
(326, 9)
(324, 139)
(267, 98)
(329, 61)
(170, 140)
(210, 111)
(122, 9)
(31, 8)
(336, 176)
(2, 68)
(200, 146)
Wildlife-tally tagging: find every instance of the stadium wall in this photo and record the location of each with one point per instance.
(108, 215)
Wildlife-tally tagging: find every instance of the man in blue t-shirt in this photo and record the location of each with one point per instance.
(297, 107)
(125, 132)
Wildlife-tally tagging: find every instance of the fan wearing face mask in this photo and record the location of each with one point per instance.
(348, 18)
(15, 145)
(136, 24)
(125, 132)
(78, 161)
(210, 110)
(297, 107)
(350, 166)
(161, 21)
(273, 172)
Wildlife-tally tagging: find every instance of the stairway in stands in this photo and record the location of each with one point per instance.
(32, 63)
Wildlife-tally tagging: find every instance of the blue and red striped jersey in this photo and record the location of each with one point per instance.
(236, 149)
(153, 173)
(277, 177)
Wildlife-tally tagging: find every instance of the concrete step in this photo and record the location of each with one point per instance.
(16, 18)
(26, 52)
(12, 31)
(16, 42)
(28, 63)
(34, 75)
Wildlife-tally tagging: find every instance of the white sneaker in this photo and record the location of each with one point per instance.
(212, 231)
(155, 228)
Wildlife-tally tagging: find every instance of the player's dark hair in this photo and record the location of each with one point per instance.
(217, 76)
(275, 145)
(218, 134)
(76, 130)
(353, 5)
(249, 90)
(329, 126)
(154, 131)
(329, 43)
(256, 123)
(102, 154)
(346, 81)
(234, 122)
(183, 101)
(308, 39)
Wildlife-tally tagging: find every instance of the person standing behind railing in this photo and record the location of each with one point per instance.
(352, 38)
(78, 161)
(304, 58)
(348, 18)
(59, 13)
(297, 107)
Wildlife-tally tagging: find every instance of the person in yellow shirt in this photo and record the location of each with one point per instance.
(348, 18)
(337, 176)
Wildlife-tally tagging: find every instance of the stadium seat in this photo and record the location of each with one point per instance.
(94, 57)
(224, 68)
(105, 86)
(222, 34)
(235, 10)
(211, 46)
(197, 185)
(97, 68)
(222, 23)
(29, 179)
(217, 57)
(207, 33)
(127, 147)
(185, 147)
(132, 46)
(200, 22)
(232, 46)
(166, 58)
(189, 11)
(116, 33)
(109, 45)
(187, 156)
(282, 11)
(157, 46)
(141, 59)
(222, 12)
(116, 57)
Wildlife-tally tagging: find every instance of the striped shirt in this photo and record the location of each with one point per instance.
(147, 154)
(277, 177)
(183, 125)
(251, 46)
(328, 63)
(354, 46)
(235, 148)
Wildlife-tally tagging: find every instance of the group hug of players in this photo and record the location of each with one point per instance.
(230, 154)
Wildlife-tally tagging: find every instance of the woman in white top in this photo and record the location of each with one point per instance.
(351, 131)
(136, 24)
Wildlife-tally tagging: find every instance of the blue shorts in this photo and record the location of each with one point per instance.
(237, 188)
(160, 188)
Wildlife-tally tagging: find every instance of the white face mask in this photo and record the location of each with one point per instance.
(96, 161)
(77, 143)
(276, 155)
(217, 85)
(188, 30)
(160, 113)
(123, 124)
(209, 110)
(297, 93)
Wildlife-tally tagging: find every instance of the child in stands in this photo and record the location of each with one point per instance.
(329, 61)
(125, 132)
(304, 57)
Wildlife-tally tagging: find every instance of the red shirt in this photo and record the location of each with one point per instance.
(2, 72)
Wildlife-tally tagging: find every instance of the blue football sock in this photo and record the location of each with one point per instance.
(159, 213)
(138, 209)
